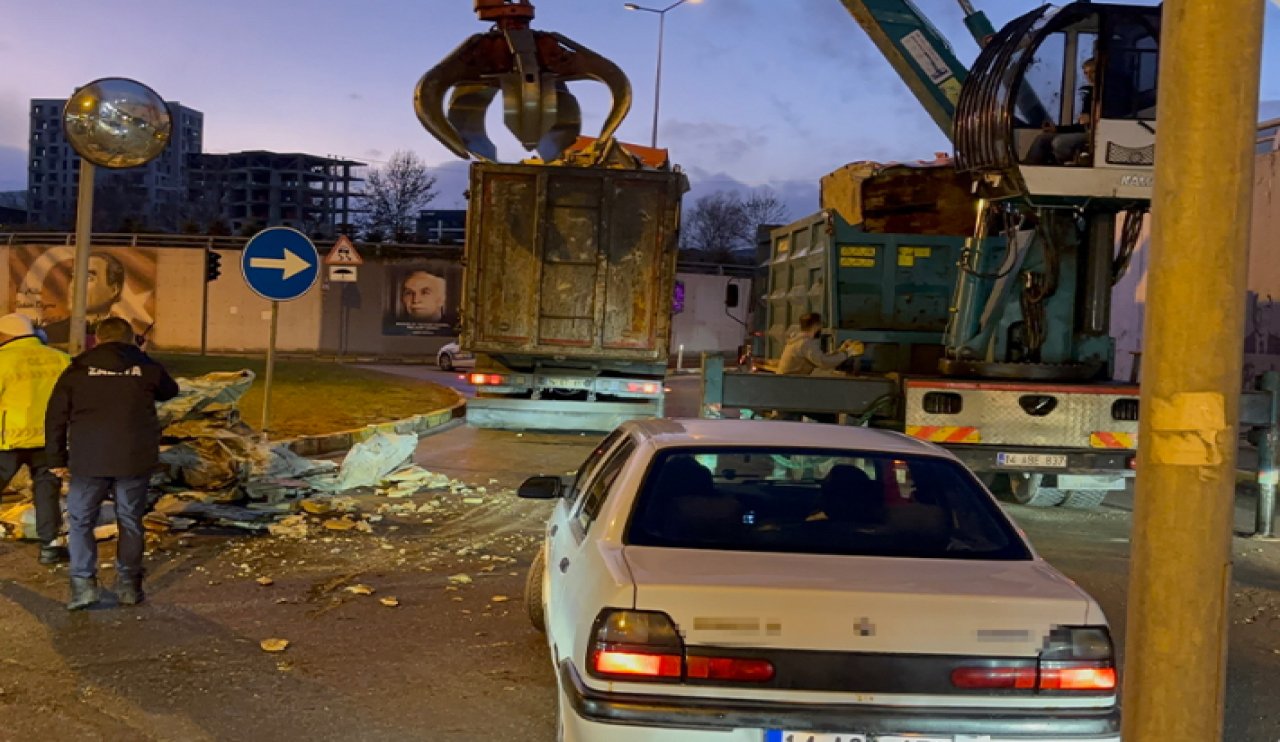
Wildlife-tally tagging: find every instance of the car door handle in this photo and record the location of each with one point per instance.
(564, 564)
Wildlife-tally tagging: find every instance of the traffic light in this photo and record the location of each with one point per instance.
(212, 265)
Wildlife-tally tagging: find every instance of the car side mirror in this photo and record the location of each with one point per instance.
(541, 488)
(731, 295)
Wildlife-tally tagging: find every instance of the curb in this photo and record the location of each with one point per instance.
(326, 443)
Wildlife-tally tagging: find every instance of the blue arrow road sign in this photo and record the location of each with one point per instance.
(280, 264)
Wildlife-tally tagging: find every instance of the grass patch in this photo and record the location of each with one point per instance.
(312, 397)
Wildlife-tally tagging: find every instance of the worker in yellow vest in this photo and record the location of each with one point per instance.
(28, 371)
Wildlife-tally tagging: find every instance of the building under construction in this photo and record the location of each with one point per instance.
(256, 189)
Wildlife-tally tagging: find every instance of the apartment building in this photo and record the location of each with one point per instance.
(154, 195)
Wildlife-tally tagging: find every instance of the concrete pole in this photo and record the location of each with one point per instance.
(80, 262)
(1210, 55)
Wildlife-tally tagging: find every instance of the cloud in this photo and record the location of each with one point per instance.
(715, 141)
(800, 197)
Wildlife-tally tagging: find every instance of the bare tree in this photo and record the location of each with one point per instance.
(396, 192)
(760, 208)
(713, 226)
(722, 225)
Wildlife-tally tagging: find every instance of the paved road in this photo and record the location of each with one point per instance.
(452, 379)
(454, 661)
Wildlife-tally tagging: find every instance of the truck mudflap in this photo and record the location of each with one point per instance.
(507, 413)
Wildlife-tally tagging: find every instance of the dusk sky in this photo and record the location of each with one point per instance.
(755, 92)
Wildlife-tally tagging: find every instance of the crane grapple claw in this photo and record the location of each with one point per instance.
(531, 70)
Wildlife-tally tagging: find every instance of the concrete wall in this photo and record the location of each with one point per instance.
(347, 319)
(239, 320)
(704, 325)
(353, 317)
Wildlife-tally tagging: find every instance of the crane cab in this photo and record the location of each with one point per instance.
(1060, 107)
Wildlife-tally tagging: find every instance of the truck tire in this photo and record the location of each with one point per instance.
(533, 605)
(1025, 489)
(1084, 499)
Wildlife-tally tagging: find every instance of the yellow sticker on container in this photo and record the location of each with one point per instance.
(857, 262)
(857, 252)
(906, 260)
(921, 252)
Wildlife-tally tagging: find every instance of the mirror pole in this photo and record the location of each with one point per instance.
(80, 267)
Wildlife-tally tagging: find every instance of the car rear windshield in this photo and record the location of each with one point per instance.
(819, 502)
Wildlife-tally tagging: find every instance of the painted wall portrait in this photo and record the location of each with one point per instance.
(422, 298)
(121, 284)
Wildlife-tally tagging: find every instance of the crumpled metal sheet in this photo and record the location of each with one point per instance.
(370, 461)
(211, 395)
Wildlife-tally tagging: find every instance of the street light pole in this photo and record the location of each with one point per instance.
(657, 78)
(657, 83)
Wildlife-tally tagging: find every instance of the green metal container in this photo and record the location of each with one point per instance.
(893, 292)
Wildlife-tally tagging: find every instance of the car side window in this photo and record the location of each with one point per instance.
(589, 466)
(598, 488)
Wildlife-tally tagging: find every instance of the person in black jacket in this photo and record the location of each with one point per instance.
(103, 413)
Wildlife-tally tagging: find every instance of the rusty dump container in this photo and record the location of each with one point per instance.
(571, 262)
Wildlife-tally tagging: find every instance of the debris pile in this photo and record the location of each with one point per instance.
(215, 470)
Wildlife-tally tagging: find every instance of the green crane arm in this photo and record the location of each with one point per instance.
(919, 53)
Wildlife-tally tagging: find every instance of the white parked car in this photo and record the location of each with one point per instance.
(452, 356)
(729, 580)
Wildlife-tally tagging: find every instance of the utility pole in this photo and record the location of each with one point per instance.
(1180, 570)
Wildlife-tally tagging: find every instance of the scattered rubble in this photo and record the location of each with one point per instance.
(274, 645)
(216, 471)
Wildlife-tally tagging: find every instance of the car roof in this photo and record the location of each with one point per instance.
(665, 433)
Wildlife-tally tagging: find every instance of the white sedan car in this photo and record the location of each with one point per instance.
(729, 580)
(452, 356)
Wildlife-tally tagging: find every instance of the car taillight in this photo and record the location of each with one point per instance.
(1078, 659)
(730, 668)
(644, 645)
(1078, 677)
(638, 387)
(487, 379)
(642, 664)
(995, 678)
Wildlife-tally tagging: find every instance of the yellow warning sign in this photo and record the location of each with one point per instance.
(343, 253)
(857, 262)
(857, 252)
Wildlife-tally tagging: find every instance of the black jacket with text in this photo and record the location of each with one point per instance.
(103, 411)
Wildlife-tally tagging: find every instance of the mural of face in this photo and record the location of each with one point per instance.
(106, 282)
(422, 296)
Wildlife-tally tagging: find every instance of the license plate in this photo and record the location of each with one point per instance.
(1033, 460)
(560, 382)
(784, 736)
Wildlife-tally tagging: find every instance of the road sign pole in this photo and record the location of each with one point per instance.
(271, 367)
(80, 263)
(278, 264)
